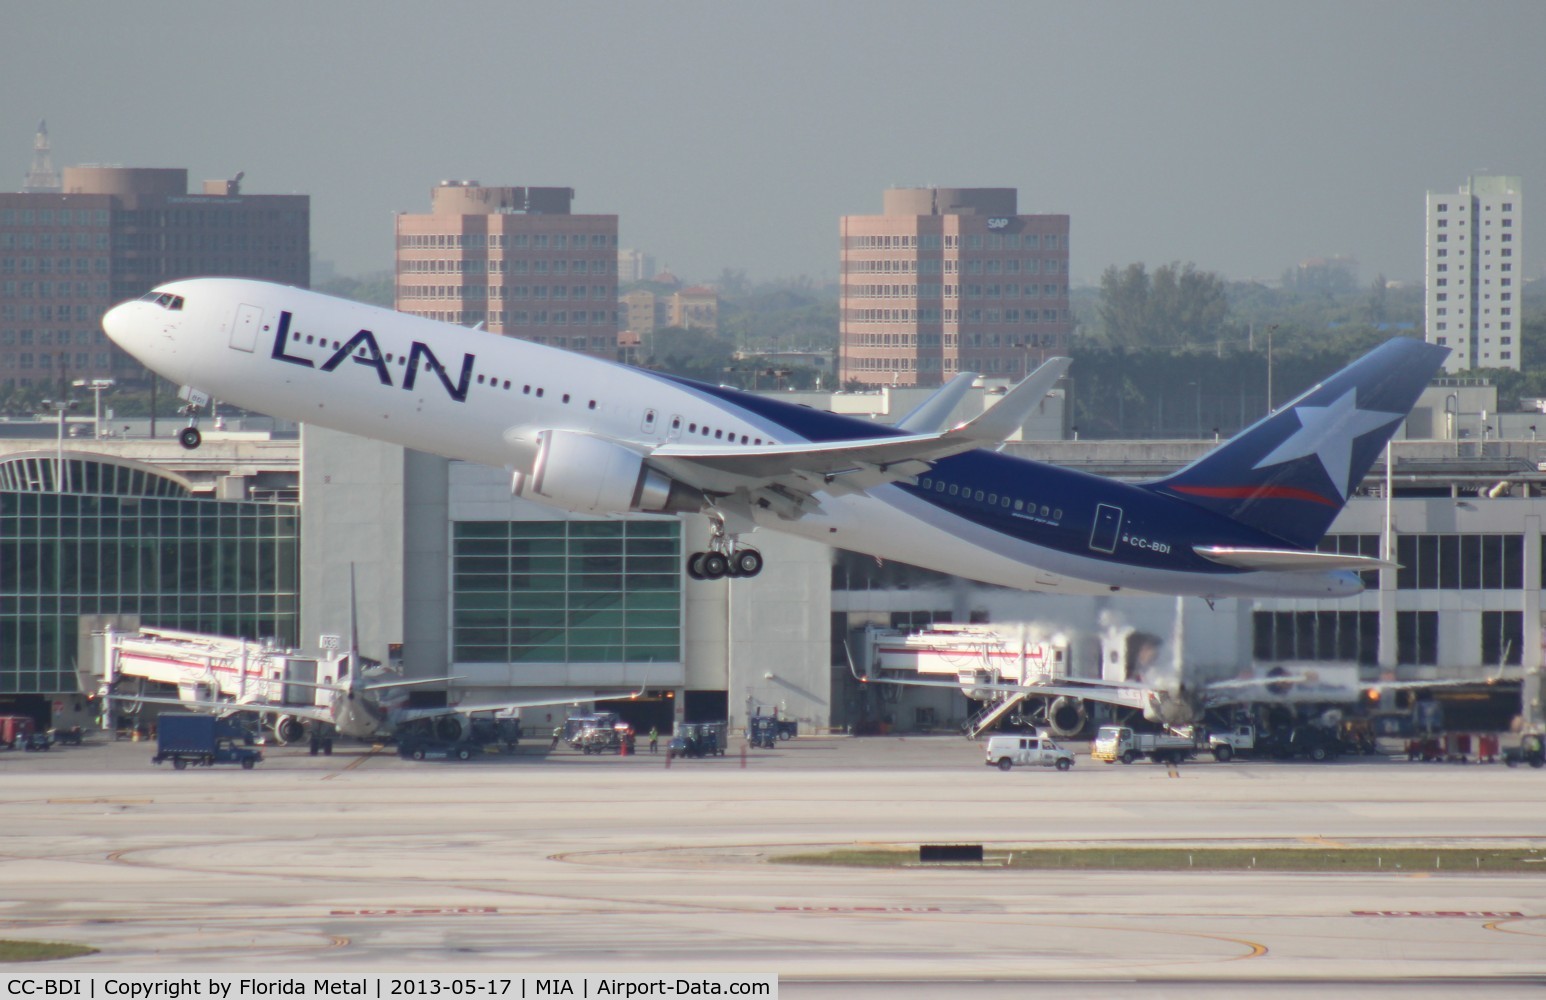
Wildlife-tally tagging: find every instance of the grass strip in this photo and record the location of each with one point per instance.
(41, 951)
(1525, 861)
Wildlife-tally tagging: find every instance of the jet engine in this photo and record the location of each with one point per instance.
(287, 729)
(1065, 716)
(581, 472)
(451, 728)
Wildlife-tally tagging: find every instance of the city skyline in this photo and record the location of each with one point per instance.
(1242, 138)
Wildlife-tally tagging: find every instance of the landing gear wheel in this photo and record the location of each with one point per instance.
(190, 438)
(714, 566)
(747, 562)
(695, 565)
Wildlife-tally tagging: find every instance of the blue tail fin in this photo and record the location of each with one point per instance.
(1290, 473)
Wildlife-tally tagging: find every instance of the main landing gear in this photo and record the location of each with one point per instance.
(713, 564)
(725, 556)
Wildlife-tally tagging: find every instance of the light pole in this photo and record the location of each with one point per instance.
(97, 386)
(1270, 330)
(60, 407)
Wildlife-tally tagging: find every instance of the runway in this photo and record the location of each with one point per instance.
(571, 864)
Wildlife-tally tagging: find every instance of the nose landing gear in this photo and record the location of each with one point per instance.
(189, 437)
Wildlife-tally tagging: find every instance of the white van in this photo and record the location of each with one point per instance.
(1007, 751)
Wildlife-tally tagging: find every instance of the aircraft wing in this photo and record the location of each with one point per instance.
(1125, 694)
(787, 475)
(508, 704)
(1290, 560)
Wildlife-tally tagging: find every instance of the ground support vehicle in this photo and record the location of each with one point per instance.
(1531, 750)
(430, 749)
(38, 741)
(1240, 740)
(68, 737)
(1121, 743)
(1004, 752)
(576, 726)
(1425, 748)
(762, 731)
(1311, 742)
(191, 738)
(697, 739)
(14, 730)
(502, 729)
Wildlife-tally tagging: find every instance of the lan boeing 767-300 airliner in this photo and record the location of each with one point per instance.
(595, 437)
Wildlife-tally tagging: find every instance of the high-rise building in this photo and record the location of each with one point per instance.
(1474, 273)
(113, 233)
(949, 280)
(515, 259)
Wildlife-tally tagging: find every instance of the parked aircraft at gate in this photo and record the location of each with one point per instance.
(600, 438)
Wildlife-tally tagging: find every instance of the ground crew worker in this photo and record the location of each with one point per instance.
(654, 739)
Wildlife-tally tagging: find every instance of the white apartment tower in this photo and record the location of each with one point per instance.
(1475, 253)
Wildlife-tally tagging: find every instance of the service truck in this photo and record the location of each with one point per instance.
(1120, 743)
(1004, 752)
(190, 738)
(1227, 744)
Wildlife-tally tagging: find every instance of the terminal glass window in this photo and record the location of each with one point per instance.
(1503, 638)
(1460, 562)
(223, 567)
(566, 592)
(1417, 638)
(1321, 636)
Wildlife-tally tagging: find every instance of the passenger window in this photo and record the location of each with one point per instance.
(692, 428)
(1044, 512)
(993, 498)
(939, 487)
(718, 435)
(953, 488)
(979, 496)
(1057, 515)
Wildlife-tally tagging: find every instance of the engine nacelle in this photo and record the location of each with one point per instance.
(591, 475)
(452, 728)
(288, 729)
(1066, 716)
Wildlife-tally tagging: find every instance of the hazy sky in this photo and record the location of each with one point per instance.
(1241, 136)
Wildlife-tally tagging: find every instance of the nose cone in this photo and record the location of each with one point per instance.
(118, 324)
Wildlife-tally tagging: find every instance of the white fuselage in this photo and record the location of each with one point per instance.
(485, 398)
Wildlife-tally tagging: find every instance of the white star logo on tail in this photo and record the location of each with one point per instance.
(1328, 433)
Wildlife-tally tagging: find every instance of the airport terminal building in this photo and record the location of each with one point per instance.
(263, 535)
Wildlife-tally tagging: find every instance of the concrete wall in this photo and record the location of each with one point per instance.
(353, 515)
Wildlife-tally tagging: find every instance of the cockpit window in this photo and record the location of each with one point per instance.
(165, 300)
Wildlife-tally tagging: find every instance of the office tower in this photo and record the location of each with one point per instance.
(949, 280)
(113, 233)
(514, 259)
(1475, 241)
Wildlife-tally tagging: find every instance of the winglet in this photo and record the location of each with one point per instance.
(997, 423)
(929, 416)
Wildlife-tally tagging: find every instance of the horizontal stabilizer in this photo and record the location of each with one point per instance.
(1290, 560)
